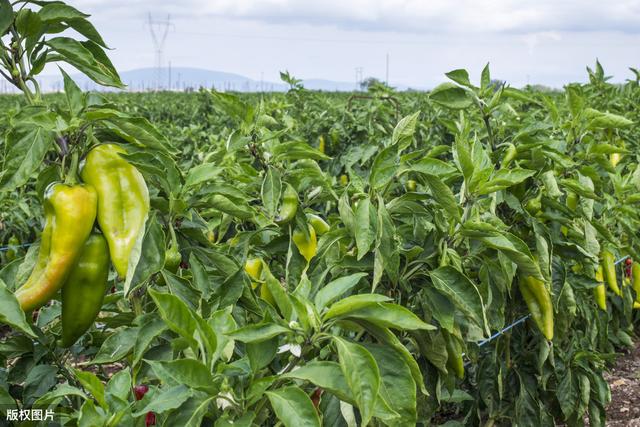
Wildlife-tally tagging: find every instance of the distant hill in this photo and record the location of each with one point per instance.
(184, 78)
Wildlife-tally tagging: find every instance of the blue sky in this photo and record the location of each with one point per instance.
(547, 42)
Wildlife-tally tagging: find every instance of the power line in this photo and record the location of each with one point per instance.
(159, 31)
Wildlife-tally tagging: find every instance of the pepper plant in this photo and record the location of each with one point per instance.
(307, 258)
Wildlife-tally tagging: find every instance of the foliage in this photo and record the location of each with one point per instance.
(361, 331)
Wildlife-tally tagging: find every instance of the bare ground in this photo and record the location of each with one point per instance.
(624, 380)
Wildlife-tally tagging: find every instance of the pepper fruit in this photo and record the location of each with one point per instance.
(321, 144)
(123, 200)
(571, 203)
(411, 185)
(289, 205)
(318, 224)
(172, 257)
(12, 252)
(599, 291)
(70, 211)
(534, 206)
(510, 153)
(344, 180)
(538, 300)
(635, 280)
(84, 290)
(614, 159)
(253, 267)
(609, 269)
(307, 244)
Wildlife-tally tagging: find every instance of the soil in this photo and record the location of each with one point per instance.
(624, 380)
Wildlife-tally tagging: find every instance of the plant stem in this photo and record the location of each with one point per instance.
(71, 176)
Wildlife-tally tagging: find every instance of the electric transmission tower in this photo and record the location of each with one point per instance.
(159, 31)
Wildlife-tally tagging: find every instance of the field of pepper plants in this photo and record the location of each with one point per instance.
(306, 258)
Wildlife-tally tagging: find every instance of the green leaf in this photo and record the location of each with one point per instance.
(326, 375)
(511, 246)
(147, 256)
(60, 392)
(336, 288)
(93, 385)
(146, 334)
(176, 314)
(6, 16)
(258, 332)
(460, 76)
(504, 178)
(451, 96)
(362, 375)
(293, 407)
(166, 399)
(443, 196)
(10, 312)
(600, 120)
(232, 207)
(119, 386)
(202, 173)
(404, 131)
(353, 303)
(87, 57)
(73, 94)
(485, 78)
(189, 372)
(385, 167)
(364, 226)
(462, 292)
(431, 166)
(389, 315)
(271, 191)
(397, 386)
(115, 347)
(26, 147)
(296, 150)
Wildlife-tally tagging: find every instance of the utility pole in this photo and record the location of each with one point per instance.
(387, 74)
(359, 77)
(159, 31)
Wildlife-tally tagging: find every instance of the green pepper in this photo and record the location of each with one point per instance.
(12, 252)
(534, 206)
(571, 203)
(172, 256)
(84, 290)
(307, 244)
(123, 201)
(70, 211)
(510, 153)
(253, 267)
(599, 291)
(538, 300)
(411, 185)
(609, 269)
(289, 205)
(635, 280)
(318, 224)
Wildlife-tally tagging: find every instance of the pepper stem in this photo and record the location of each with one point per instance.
(72, 173)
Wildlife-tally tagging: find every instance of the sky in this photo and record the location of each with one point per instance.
(527, 41)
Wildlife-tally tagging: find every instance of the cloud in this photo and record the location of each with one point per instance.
(405, 16)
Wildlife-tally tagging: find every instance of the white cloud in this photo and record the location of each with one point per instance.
(543, 41)
(414, 16)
